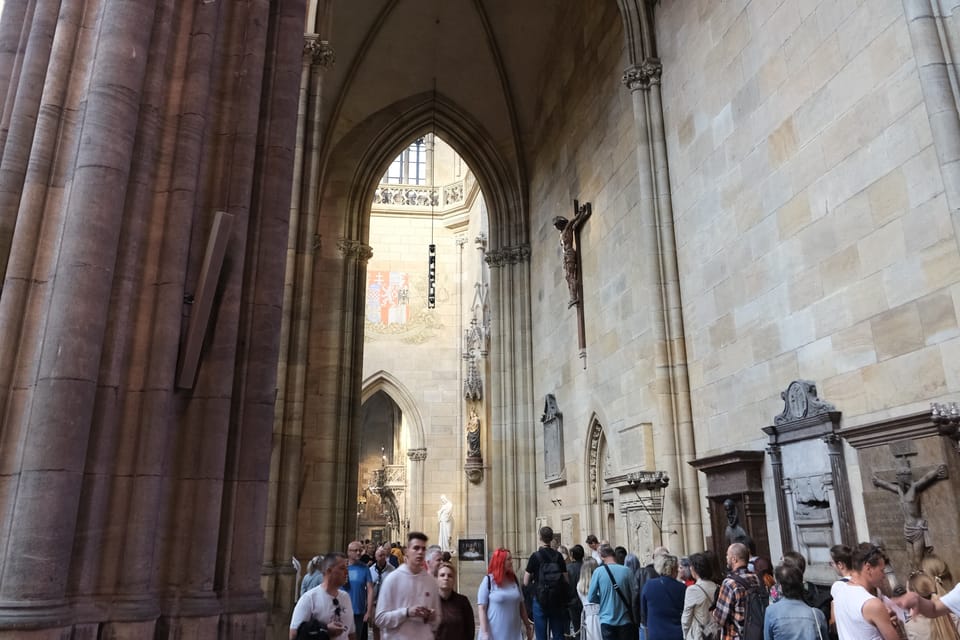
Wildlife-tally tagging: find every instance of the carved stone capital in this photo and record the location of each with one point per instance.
(508, 255)
(319, 51)
(643, 75)
(354, 249)
(417, 455)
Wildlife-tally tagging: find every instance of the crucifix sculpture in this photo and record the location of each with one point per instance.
(570, 245)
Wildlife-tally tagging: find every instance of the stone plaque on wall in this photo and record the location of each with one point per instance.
(553, 462)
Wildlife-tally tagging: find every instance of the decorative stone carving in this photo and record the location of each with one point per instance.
(915, 529)
(473, 468)
(417, 455)
(595, 439)
(553, 461)
(476, 338)
(508, 255)
(947, 419)
(406, 195)
(320, 52)
(643, 75)
(814, 505)
(354, 249)
(801, 401)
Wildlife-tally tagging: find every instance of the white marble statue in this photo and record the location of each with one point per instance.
(445, 517)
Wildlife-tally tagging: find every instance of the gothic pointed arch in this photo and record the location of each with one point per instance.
(597, 465)
(384, 381)
(364, 154)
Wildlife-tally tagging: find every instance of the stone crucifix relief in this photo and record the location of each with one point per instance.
(915, 529)
(570, 248)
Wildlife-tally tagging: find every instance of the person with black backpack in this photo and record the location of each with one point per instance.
(547, 572)
(742, 600)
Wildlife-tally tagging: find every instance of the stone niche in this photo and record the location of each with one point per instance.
(913, 443)
(738, 476)
(814, 507)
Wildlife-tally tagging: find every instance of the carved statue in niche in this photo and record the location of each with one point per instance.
(915, 529)
(473, 435)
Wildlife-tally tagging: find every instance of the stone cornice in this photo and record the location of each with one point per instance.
(354, 249)
(643, 75)
(508, 255)
(320, 52)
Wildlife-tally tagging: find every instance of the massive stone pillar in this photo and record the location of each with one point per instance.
(512, 519)
(130, 507)
(673, 437)
(286, 467)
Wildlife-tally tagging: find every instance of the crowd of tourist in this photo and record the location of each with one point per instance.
(605, 593)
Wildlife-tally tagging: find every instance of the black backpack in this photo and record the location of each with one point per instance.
(552, 591)
(312, 629)
(754, 610)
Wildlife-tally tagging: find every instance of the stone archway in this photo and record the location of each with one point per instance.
(597, 465)
(328, 314)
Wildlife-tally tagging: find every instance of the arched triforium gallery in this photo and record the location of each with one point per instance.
(695, 273)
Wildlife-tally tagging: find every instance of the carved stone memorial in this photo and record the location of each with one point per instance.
(909, 470)
(814, 506)
(553, 462)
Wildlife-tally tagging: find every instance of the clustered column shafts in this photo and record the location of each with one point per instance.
(125, 126)
(674, 439)
(938, 93)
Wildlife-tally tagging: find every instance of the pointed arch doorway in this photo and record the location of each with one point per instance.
(329, 304)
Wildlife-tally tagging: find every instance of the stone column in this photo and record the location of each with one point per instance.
(673, 435)
(130, 158)
(841, 489)
(58, 351)
(415, 487)
(783, 516)
(512, 438)
(924, 25)
(302, 243)
(332, 404)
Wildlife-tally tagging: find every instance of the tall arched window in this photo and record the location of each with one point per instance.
(410, 167)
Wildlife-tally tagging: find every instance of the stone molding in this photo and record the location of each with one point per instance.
(320, 52)
(417, 455)
(508, 255)
(354, 249)
(643, 75)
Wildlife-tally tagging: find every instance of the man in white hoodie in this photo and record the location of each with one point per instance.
(408, 607)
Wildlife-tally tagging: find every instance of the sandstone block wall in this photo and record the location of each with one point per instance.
(813, 232)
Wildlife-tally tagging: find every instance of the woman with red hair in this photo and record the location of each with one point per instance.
(500, 601)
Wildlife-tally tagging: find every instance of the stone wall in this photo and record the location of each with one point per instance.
(586, 150)
(814, 236)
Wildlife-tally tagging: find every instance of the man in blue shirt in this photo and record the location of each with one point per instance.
(612, 588)
(360, 587)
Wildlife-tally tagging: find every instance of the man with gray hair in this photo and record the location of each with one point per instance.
(433, 559)
(612, 588)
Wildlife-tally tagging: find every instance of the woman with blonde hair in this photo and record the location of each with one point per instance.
(314, 576)
(589, 619)
(932, 582)
(503, 616)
